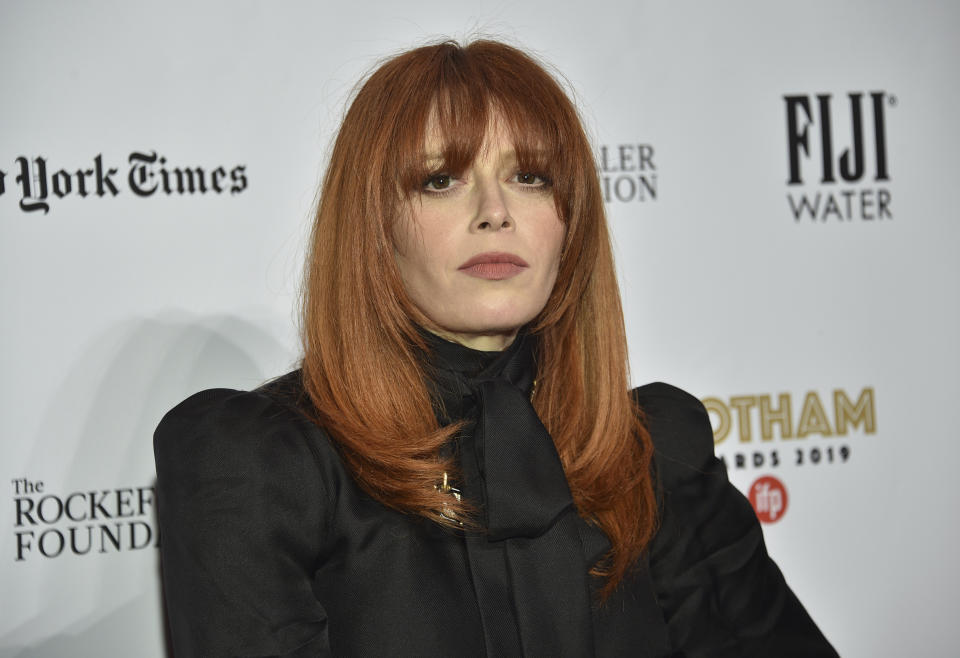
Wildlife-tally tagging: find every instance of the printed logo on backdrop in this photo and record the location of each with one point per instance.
(40, 183)
(628, 173)
(769, 498)
(784, 432)
(838, 170)
(49, 524)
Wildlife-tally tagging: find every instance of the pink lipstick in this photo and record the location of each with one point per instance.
(494, 265)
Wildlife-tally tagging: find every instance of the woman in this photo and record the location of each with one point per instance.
(458, 468)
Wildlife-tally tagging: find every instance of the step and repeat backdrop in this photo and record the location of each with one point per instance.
(781, 184)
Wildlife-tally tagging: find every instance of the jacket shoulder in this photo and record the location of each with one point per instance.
(679, 427)
(256, 434)
(244, 485)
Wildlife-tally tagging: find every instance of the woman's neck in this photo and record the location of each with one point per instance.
(483, 342)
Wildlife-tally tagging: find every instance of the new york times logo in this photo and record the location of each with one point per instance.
(49, 525)
(851, 175)
(147, 174)
(627, 173)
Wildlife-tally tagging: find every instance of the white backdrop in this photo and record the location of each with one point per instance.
(116, 305)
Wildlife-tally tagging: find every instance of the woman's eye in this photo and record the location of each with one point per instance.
(438, 182)
(528, 178)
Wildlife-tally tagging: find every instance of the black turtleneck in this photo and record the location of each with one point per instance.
(270, 548)
(531, 533)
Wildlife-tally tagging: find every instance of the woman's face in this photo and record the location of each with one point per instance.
(479, 254)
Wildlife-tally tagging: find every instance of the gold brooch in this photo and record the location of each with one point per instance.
(445, 488)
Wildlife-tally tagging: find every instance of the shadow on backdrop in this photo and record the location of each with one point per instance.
(96, 434)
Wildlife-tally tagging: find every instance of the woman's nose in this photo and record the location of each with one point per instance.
(493, 212)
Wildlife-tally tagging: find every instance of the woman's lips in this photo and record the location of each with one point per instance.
(494, 265)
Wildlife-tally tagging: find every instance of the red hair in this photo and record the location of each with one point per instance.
(361, 365)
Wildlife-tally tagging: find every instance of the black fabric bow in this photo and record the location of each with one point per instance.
(530, 563)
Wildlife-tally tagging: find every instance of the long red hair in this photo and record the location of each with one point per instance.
(361, 366)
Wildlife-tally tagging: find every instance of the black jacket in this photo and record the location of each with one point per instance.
(270, 548)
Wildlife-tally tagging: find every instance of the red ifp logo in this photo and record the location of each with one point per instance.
(769, 498)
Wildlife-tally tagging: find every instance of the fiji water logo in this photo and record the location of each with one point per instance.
(837, 156)
(769, 499)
